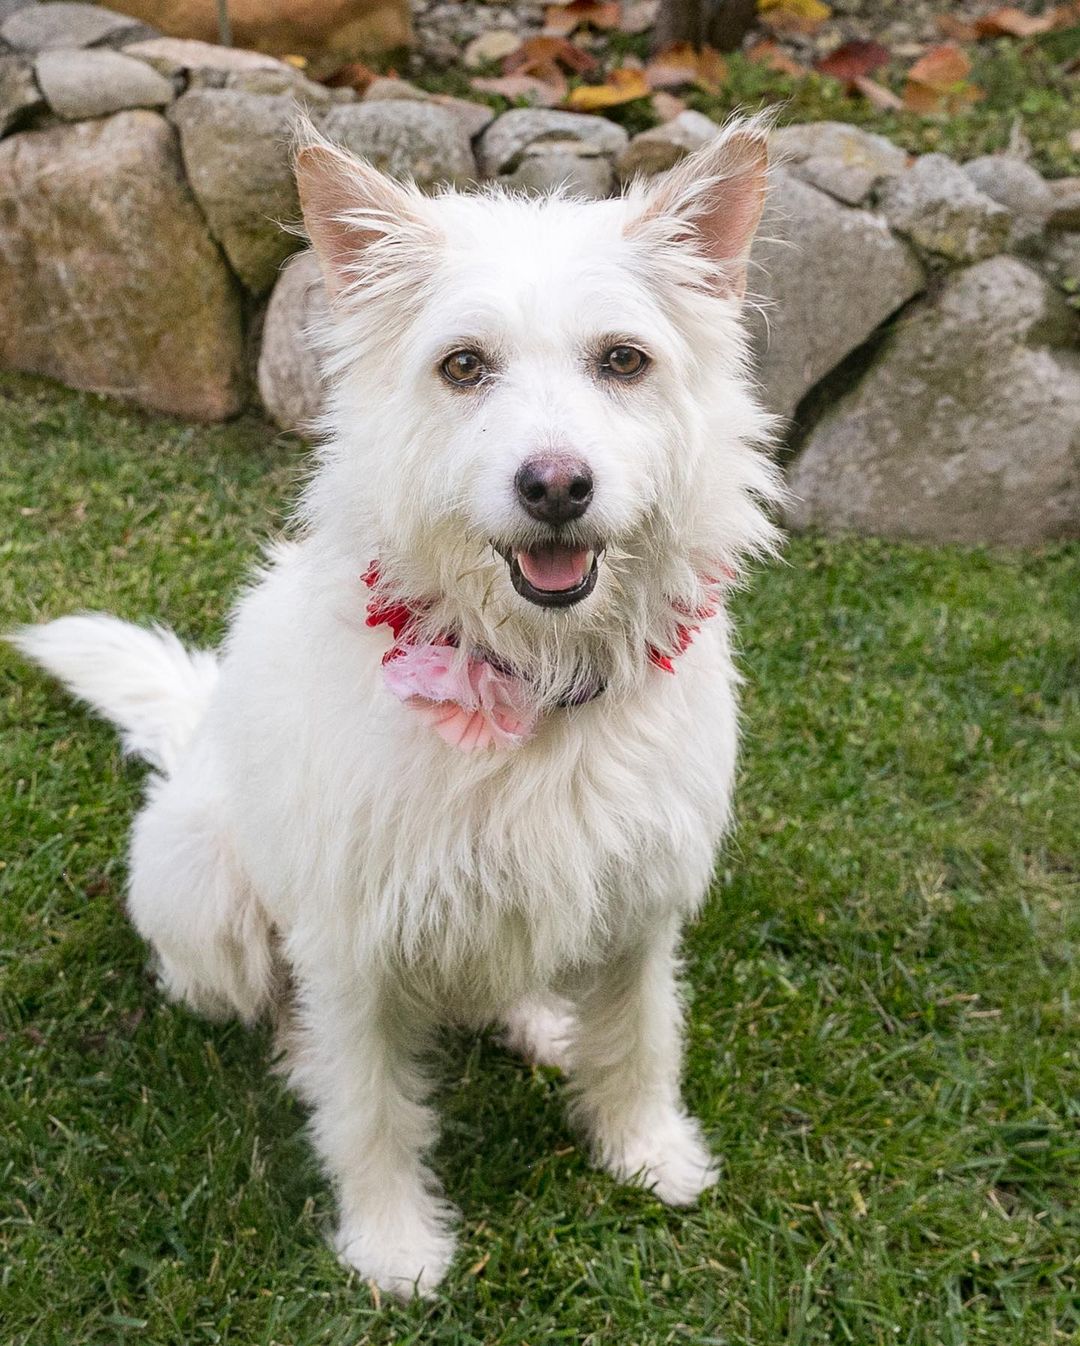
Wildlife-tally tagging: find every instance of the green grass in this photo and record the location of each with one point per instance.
(883, 1029)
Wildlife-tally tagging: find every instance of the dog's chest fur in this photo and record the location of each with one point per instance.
(480, 876)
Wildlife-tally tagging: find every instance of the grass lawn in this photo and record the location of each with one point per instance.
(883, 991)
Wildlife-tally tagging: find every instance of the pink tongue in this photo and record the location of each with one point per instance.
(552, 568)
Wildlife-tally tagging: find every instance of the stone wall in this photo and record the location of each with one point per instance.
(910, 317)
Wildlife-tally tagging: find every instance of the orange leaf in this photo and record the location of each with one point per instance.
(562, 20)
(769, 53)
(623, 86)
(1008, 21)
(681, 64)
(941, 68)
(546, 51)
(938, 82)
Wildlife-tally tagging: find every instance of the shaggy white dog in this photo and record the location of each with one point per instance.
(467, 753)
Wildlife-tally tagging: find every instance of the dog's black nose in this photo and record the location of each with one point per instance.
(554, 488)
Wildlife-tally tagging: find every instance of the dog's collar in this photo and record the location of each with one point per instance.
(480, 701)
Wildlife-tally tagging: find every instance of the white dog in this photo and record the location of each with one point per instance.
(467, 753)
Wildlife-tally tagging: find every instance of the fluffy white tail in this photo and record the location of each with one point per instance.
(144, 681)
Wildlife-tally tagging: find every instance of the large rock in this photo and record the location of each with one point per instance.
(406, 139)
(186, 56)
(45, 27)
(236, 152)
(108, 276)
(940, 209)
(80, 84)
(965, 429)
(502, 145)
(19, 93)
(828, 277)
(662, 147)
(839, 159)
(290, 381)
(578, 169)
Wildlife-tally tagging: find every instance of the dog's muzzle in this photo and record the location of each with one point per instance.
(553, 574)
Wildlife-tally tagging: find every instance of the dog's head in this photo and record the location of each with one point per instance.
(540, 418)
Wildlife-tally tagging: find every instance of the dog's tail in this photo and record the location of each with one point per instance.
(144, 681)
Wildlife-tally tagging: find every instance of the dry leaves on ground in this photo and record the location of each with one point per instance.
(938, 82)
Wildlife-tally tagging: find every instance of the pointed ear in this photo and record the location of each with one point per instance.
(716, 195)
(348, 205)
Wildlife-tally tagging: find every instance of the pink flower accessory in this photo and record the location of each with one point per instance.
(467, 701)
(473, 702)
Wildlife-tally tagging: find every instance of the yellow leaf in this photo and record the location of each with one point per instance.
(813, 10)
(623, 86)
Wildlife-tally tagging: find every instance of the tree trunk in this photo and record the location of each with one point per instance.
(721, 24)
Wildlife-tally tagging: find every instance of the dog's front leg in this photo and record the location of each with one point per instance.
(356, 1063)
(625, 1062)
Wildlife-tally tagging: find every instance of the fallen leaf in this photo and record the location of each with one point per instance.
(562, 20)
(770, 54)
(673, 67)
(545, 52)
(297, 62)
(876, 94)
(354, 75)
(541, 92)
(853, 60)
(1008, 21)
(681, 64)
(622, 86)
(793, 16)
(938, 82)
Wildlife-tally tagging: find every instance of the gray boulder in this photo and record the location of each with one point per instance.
(1018, 187)
(965, 429)
(825, 277)
(1065, 210)
(109, 278)
(836, 158)
(662, 147)
(173, 56)
(500, 148)
(290, 381)
(80, 84)
(19, 94)
(45, 27)
(407, 139)
(940, 209)
(236, 152)
(581, 170)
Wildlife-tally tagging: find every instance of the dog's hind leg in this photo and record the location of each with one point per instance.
(188, 897)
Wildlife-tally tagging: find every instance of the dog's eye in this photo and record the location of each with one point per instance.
(625, 362)
(464, 369)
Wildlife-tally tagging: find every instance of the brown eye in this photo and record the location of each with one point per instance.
(625, 362)
(465, 369)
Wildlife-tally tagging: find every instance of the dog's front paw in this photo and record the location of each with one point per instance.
(405, 1258)
(665, 1154)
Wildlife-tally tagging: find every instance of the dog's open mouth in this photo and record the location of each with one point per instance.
(553, 575)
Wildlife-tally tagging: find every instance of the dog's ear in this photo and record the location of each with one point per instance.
(713, 201)
(348, 205)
